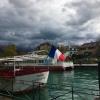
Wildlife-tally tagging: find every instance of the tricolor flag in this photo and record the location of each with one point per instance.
(56, 54)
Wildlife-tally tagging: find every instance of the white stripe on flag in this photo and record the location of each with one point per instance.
(57, 54)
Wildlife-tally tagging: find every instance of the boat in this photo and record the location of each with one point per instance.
(22, 73)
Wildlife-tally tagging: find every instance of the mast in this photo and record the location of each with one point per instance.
(14, 66)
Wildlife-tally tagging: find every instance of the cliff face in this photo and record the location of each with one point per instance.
(43, 48)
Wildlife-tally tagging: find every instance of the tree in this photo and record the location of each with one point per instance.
(10, 50)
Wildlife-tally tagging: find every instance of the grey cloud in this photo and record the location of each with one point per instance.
(85, 11)
(30, 22)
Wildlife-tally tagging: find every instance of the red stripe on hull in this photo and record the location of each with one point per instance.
(57, 68)
(25, 71)
(31, 70)
(53, 68)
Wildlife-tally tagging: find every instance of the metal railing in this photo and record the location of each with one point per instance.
(60, 91)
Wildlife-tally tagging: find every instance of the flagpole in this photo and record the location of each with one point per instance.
(47, 55)
(14, 66)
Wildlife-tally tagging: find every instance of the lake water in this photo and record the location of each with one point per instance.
(83, 82)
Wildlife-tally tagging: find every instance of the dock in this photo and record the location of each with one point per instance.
(86, 65)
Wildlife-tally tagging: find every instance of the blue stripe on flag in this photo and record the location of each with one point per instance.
(52, 52)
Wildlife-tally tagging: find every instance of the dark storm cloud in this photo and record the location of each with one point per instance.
(28, 22)
(49, 34)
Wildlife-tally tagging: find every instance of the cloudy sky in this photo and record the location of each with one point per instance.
(30, 22)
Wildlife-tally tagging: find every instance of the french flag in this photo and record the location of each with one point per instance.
(56, 54)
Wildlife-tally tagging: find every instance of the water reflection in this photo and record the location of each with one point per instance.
(60, 86)
(61, 77)
(82, 80)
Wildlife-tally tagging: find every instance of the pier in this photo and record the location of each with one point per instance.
(86, 65)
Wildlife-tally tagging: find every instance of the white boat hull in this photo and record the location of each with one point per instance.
(24, 82)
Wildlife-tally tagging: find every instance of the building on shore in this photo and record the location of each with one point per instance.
(89, 49)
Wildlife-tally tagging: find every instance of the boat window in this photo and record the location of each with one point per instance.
(30, 61)
(40, 61)
(37, 61)
(34, 61)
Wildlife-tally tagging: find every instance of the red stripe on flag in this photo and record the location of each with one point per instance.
(61, 57)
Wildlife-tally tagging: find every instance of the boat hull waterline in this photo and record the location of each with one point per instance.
(24, 80)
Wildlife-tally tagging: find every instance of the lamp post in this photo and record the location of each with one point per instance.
(99, 76)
